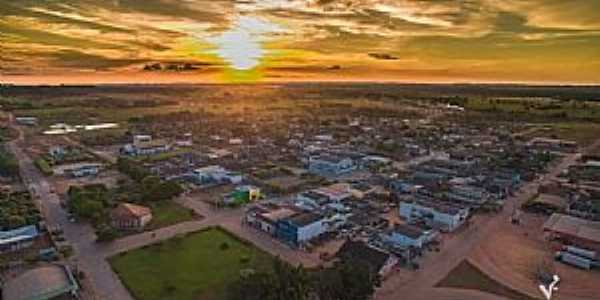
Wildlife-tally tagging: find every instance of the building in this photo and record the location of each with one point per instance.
(84, 170)
(377, 260)
(146, 145)
(216, 174)
(406, 236)
(266, 218)
(130, 216)
(549, 144)
(300, 228)
(330, 165)
(444, 217)
(468, 194)
(17, 239)
(27, 121)
(50, 281)
(574, 231)
(242, 195)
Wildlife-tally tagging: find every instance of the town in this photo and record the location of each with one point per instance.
(107, 198)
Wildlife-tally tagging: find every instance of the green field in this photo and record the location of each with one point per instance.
(167, 213)
(195, 266)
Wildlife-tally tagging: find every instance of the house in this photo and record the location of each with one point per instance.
(242, 194)
(574, 231)
(49, 281)
(266, 219)
(84, 170)
(185, 141)
(445, 217)
(406, 236)
(549, 144)
(130, 216)
(378, 261)
(146, 145)
(57, 153)
(300, 228)
(17, 239)
(216, 174)
(469, 194)
(27, 121)
(324, 195)
(330, 165)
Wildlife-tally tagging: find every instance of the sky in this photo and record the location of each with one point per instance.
(162, 41)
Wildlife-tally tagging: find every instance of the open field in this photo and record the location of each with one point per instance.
(168, 213)
(195, 266)
(516, 265)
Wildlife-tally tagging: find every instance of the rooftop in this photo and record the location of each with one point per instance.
(39, 283)
(577, 227)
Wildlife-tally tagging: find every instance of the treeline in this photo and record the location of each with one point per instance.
(344, 281)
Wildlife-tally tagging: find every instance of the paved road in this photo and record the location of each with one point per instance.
(435, 266)
(88, 256)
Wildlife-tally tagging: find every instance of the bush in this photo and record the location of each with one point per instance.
(106, 233)
(224, 246)
(43, 166)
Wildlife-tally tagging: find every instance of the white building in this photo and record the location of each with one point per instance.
(216, 174)
(405, 236)
(443, 217)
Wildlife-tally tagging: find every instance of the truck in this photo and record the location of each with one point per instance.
(575, 260)
(581, 252)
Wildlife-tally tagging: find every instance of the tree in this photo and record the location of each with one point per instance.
(283, 282)
(346, 281)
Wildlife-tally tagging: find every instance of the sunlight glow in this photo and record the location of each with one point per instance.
(242, 46)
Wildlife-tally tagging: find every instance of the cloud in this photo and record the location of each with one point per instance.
(459, 36)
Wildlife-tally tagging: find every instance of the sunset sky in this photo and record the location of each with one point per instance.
(107, 41)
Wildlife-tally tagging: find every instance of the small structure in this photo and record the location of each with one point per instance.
(83, 170)
(51, 281)
(330, 165)
(17, 239)
(27, 121)
(376, 260)
(130, 216)
(574, 231)
(242, 195)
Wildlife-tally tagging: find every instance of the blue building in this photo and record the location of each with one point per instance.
(300, 228)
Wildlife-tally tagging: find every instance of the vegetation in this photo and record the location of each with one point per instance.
(344, 281)
(17, 209)
(43, 166)
(89, 202)
(198, 267)
(132, 168)
(167, 213)
(9, 166)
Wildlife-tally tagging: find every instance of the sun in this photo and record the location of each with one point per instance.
(241, 47)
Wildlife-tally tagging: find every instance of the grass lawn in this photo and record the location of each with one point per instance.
(168, 213)
(467, 276)
(189, 267)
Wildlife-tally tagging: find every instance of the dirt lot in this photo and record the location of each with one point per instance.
(513, 253)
